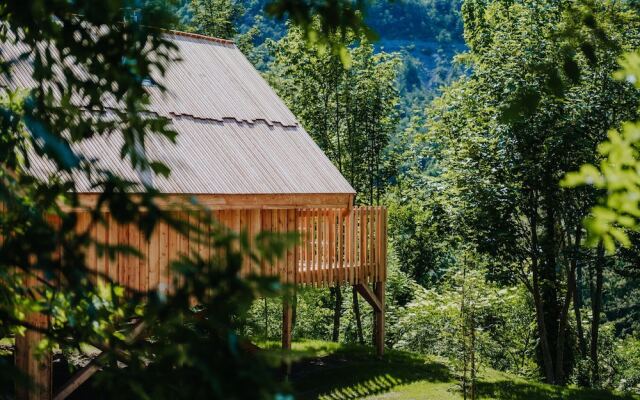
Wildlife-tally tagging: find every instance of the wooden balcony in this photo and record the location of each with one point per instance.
(338, 247)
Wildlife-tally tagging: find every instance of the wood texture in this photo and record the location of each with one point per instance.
(235, 201)
(286, 324)
(335, 247)
(38, 366)
(369, 295)
(379, 319)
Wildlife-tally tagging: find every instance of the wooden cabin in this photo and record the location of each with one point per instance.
(241, 154)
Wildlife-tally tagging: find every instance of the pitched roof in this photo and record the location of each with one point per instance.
(235, 135)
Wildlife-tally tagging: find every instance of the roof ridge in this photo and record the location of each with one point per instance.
(199, 36)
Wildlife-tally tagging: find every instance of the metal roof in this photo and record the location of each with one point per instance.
(235, 135)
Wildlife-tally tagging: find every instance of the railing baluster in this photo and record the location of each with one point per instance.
(318, 247)
(340, 263)
(330, 249)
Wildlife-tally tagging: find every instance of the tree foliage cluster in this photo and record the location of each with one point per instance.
(535, 105)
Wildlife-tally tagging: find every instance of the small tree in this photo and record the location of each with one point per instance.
(217, 18)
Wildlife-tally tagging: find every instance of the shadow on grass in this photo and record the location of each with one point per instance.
(353, 372)
(513, 390)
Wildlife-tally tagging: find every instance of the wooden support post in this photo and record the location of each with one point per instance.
(379, 319)
(287, 313)
(286, 324)
(38, 369)
(375, 298)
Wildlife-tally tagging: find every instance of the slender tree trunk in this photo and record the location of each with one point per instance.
(548, 281)
(596, 308)
(356, 313)
(463, 326)
(337, 122)
(547, 363)
(337, 311)
(473, 355)
(266, 320)
(294, 311)
(577, 306)
(564, 312)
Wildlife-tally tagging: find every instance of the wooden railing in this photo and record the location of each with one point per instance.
(341, 247)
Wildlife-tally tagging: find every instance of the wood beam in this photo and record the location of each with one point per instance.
(94, 366)
(369, 296)
(287, 313)
(37, 368)
(379, 319)
(234, 201)
(81, 377)
(375, 298)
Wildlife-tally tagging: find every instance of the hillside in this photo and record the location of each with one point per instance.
(326, 370)
(428, 33)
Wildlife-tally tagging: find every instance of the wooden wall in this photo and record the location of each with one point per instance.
(336, 246)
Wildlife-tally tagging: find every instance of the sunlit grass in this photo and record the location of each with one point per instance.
(329, 371)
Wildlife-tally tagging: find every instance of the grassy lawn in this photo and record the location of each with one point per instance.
(328, 371)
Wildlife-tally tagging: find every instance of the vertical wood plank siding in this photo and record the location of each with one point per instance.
(335, 246)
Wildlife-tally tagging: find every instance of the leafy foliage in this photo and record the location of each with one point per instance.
(495, 184)
(217, 18)
(617, 174)
(439, 321)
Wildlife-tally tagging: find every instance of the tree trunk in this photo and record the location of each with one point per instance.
(564, 312)
(356, 313)
(266, 320)
(547, 363)
(596, 308)
(577, 305)
(548, 281)
(337, 311)
(294, 310)
(463, 328)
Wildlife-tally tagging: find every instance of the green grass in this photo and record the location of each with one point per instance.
(328, 371)
(6, 345)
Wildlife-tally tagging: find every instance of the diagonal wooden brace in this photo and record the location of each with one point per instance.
(369, 296)
(82, 375)
(376, 299)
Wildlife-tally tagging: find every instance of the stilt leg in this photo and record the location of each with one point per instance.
(379, 320)
(286, 325)
(286, 336)
(38, 369)
(375, 298)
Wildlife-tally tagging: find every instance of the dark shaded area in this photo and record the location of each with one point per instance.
(63, 371)
(354, 372)
(6, 381)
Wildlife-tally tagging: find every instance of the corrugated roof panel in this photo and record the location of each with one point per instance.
(230, 157)
(235, 135)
